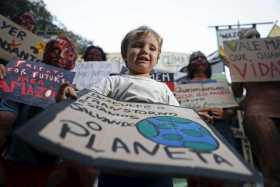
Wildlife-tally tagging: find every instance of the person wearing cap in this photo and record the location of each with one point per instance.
(262, 119)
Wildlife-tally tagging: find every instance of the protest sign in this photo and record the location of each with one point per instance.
(226, 35)
(170, 62)
(19, 43)
(136, 137)
(33, 83)
(203, 94)
(254, 60)
(90, 74)
(167, 78)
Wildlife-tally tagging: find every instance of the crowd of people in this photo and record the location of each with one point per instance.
(140, 49)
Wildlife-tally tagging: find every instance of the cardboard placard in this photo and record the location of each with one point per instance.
(19, 43)
(137, 137)
(33, 83)
(203, 94)
(254, 60)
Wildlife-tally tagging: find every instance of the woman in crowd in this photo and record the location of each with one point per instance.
(94, 53)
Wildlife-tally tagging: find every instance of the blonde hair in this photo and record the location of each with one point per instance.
(136, 33)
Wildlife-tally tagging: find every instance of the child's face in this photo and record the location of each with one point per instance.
(142, 55)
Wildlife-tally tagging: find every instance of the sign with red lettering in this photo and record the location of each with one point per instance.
(19, 43)
(33, 83)
(135, 137)
(254, 60)
(199, 95)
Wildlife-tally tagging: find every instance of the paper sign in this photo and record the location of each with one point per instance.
(205, 95)
(89, 74)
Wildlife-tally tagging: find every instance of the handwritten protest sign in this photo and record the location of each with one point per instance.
(254, 60)
(170, 62)
(90, 74)
(19, 43)
(226, 35)
(137, 137)
(205, 94)
(33, 83)
(167, 78)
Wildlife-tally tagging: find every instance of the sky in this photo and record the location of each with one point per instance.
(183, 24)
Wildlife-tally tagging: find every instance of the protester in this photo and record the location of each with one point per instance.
(26, 20)
(199, 70)
(94, 53)
(8, 110)
(261, 119)
(140, 50)
(26, 165)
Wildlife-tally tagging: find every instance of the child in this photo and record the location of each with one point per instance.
(140, 50)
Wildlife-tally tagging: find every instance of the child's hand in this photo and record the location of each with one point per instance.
(65, 91)
(206, 117)
(2, 71)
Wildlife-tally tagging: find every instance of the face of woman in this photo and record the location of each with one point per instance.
(94, 55)
(199, 62)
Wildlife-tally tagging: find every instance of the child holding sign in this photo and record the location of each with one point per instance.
(140, 50)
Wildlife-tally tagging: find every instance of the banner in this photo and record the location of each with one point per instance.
(226, 35)
(254, 60)
(170, 62)
(19, 43)
(90, 74)
(205, 95)
(33, 83)
(135, 137)
(167, 78)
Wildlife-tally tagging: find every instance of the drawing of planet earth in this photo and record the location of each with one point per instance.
(177, 132)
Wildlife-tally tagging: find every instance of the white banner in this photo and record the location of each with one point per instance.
(168, 62)
(90, 74)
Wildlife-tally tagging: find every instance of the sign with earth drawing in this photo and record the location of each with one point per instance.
(148, 138)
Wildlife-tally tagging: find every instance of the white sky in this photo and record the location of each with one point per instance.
(183, 24)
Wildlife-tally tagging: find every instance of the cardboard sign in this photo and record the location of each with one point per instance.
(167, 78)
(201, 95)
(33, 83)
(170, 62)
(19, 43)
(89, 74)
(254, 60)
(226, 35)
(136, 137)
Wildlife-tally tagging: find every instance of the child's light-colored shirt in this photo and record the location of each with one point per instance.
(131, 88)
